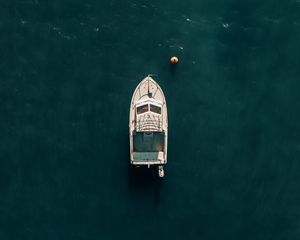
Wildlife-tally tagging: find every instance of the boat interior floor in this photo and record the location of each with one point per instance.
(148, 141)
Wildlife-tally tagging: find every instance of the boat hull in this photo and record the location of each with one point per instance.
(148, 131)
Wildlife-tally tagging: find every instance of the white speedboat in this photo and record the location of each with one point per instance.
(148, 126)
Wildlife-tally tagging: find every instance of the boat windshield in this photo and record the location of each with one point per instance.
(142, 109)
(155, 109)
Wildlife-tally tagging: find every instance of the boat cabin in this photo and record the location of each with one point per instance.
(148, 106)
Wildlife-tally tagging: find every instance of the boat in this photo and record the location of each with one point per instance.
(148, 126)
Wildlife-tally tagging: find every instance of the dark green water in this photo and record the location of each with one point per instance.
(67, 73)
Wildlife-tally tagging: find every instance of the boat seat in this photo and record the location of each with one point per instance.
(148, 156)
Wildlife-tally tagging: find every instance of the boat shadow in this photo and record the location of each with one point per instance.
(143, 177)
(143, 181)
(173, 70)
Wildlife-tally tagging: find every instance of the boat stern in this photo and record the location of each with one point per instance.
(148, 158)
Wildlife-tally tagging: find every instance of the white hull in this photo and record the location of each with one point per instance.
(148, 125)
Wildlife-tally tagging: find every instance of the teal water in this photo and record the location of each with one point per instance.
(67, 73)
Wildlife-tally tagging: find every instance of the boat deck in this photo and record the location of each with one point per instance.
(148, 141)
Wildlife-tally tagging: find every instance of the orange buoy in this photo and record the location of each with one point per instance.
(174, 60)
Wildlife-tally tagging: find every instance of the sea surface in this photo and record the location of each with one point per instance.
(68, 69)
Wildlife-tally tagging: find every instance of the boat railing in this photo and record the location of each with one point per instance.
(149, 123)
